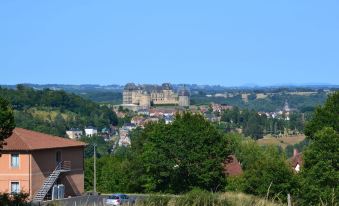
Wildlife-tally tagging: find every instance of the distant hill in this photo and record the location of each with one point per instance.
(260, 98)
(54, 111)
(264, 101)
(194, 87)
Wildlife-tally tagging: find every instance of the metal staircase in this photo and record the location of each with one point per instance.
(63, 166)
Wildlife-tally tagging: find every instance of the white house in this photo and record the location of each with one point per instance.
(74, 133)
(91, 131)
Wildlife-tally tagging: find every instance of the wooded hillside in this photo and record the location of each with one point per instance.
(54, 112)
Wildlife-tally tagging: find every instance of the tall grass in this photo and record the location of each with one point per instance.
(204, 198)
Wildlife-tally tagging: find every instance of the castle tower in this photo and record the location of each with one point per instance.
(128, 92)
(184, 97)
(145, 100)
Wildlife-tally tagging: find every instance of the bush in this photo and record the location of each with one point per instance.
(236, 183)
(19, 199)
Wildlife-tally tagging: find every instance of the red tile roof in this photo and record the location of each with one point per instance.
(232, 166)
(23, 139)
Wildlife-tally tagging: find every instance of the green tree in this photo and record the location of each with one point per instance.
(269, 175)
(113, 175)
(320, 173)
(253, 126)
(265, 170)
(102, 147)
(325, 116)
(7, 123)
(180, 156)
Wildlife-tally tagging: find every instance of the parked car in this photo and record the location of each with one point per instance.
(119, 199)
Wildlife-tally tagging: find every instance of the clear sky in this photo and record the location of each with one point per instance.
(222, 42)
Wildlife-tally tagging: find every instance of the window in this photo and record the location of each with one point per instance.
(15, 187)
(15, 160)
(58, 156)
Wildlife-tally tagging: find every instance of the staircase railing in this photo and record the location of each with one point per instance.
(63, 166)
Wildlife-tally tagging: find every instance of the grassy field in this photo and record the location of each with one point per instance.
(206, 199)
(261, 96)
(281, 141)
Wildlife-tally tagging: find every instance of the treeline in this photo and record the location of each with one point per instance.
(53, 112)
(102, 97)
(256, 126)
(273, 102)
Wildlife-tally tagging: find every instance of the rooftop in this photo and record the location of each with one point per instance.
(23, 139)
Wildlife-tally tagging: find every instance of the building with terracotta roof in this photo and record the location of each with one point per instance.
(232, 166)
(33, 163)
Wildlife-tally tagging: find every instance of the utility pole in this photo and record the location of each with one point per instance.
(289, 203)
(95, 170)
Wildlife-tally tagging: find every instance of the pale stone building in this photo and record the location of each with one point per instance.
(74, 133)
(145, 95)
(184, 98)
(90, 131)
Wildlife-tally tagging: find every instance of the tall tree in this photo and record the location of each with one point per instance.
(180, 156)
(7, 123)
(325, 116)
(320, 173)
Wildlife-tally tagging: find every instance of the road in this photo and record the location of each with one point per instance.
(91, 200)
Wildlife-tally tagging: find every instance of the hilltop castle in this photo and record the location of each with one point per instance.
(147, 95)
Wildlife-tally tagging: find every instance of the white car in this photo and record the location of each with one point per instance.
(119, 199)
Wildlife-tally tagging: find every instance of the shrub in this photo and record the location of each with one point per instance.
(15, 199)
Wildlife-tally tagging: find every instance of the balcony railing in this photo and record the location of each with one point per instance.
(64, 165)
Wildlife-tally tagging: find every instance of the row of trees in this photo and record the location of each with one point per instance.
(257, 126)
(271, 103)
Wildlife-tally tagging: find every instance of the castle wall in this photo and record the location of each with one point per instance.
(140, 97)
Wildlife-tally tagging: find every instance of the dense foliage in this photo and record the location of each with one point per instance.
(256, 126)
(325, 116)
(171, 158)
(266, 171)
(102, 147)
(188, 154)
(7, 123)
(53, 112)
(102, 97)
(320, 173)
(16, 199)
(299, 147)
(273, 102)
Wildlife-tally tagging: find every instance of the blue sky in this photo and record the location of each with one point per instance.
(224, 42)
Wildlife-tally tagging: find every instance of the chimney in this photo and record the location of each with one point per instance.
(295, 152)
